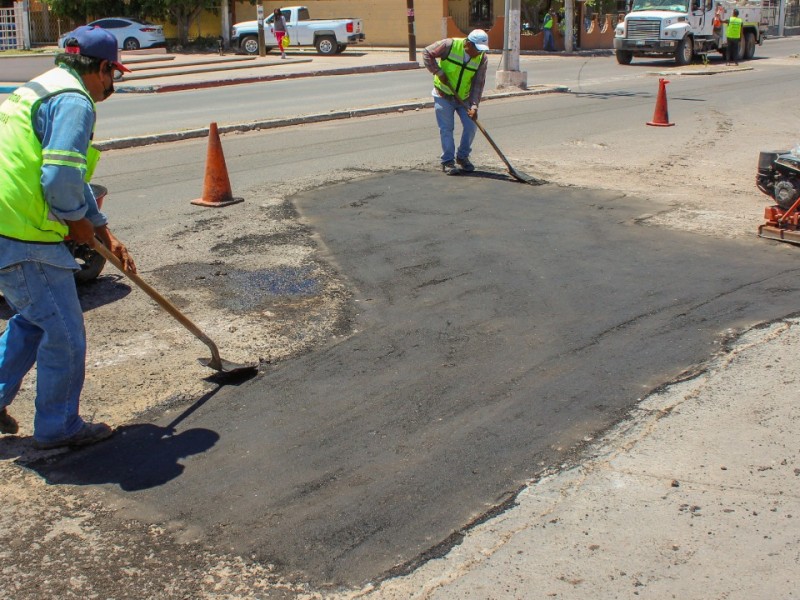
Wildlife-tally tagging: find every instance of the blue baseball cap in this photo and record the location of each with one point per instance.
(94, 42)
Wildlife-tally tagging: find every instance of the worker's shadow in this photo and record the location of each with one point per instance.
(137, 457)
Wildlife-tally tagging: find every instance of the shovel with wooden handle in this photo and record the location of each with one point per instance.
(221, 365)
(518, 175)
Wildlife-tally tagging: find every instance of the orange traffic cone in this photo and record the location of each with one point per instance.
(216, 186)
(661, 114)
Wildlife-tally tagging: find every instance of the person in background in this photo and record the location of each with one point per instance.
(46, 162)
(459, 69)
(547, 28)
(279, 29)
(733, 36)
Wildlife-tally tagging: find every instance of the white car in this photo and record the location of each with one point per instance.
(131, 34)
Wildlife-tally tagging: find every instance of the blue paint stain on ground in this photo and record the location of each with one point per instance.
(240, 290)
(286, 281)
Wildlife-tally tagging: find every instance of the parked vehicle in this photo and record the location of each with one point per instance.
(131, 34)
(686, 28)
(329, 36)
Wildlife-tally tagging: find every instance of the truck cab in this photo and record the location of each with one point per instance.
(684, 29)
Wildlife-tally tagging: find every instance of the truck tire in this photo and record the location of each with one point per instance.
(326, 44)
(249, 44)
(624, 57)
(749, 45)
(341, 48)
(685, 52)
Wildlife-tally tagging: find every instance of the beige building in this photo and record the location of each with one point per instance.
(386, 21)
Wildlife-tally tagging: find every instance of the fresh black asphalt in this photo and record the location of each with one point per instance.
(497, 326)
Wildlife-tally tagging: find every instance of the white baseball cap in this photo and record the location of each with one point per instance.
(479, 39)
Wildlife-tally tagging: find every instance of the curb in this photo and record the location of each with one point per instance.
(178, 87)
(163, 138)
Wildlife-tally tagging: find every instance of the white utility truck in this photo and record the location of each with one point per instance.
(684, 29)
(329, 36)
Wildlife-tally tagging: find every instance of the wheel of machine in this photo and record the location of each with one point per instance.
(90, 261)
(749, 45)
(685, 51)
(249, 44)
(341, 48)
(326, 44)
(624, 57)
(786, 192)
(130, 43)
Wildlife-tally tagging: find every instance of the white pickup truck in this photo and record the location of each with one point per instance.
(329, 36)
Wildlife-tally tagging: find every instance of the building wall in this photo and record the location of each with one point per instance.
(206, 25)
(385, 21)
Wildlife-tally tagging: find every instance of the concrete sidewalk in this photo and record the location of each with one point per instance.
(156, 71)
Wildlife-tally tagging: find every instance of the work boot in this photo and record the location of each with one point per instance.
(450, 168)
(8, 424)
(465, 165)
(90, 433)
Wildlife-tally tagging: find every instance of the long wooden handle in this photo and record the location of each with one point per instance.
(162, 302)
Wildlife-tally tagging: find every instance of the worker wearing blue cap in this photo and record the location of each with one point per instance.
(46, 163)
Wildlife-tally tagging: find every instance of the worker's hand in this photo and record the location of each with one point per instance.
(473, 113)
(117, 248)
(82, 231)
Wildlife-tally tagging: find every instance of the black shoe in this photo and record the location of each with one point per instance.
(465, 165)
(450, 168)
(90, 433)
(8, 424)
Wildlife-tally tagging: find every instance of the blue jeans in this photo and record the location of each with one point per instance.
(445, 117)
(47, 329)
(549, 43)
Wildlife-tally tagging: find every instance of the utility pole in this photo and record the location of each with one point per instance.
(511, 76)
(226, 25)
(412, 35)
(569, 23)
(262, 50)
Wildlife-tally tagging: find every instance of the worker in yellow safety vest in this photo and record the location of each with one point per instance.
(46, 162)
(459, 69)
(547, 29)
(733, 37)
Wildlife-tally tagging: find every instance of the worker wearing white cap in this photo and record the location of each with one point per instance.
(459, 69)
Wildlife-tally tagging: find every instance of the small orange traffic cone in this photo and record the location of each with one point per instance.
(216, 186)
(661, 114)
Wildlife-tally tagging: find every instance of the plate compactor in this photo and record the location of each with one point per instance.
(779, 178)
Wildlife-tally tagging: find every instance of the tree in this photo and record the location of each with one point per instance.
(180, 12)
(86, 10)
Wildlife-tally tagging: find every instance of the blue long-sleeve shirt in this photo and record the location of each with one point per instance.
(63, 122)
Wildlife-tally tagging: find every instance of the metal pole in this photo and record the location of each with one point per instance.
(505, 35)
(226, 25)
(262, 50)
(412, 36)
(781, 17)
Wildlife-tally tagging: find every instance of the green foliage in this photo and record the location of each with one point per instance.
(180, 12)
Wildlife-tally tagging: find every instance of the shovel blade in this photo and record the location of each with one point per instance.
(227, 367)
(520, 176)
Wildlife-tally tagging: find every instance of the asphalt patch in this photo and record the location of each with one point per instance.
(498, 327)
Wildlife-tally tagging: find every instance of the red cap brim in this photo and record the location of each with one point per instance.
(120, 67)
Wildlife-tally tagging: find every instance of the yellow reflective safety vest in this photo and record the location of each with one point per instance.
(459, 68)
(24, 213)
(734, 31)
(548, 21)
